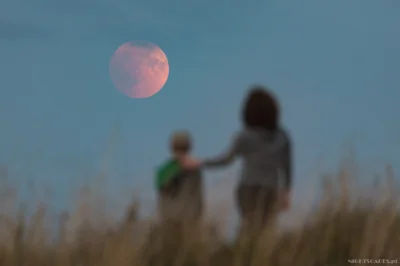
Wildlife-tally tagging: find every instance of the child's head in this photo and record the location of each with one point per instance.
(180, 143)
(261, 109)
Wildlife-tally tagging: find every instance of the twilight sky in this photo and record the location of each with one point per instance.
(333, 64)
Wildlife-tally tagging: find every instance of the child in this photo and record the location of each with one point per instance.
(266, 151)
(180, 190)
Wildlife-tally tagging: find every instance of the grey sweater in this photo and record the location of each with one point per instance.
(266, 157)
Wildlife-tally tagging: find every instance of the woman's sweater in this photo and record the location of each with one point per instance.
(266, 157)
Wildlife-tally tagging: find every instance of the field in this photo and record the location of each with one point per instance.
(344, 228)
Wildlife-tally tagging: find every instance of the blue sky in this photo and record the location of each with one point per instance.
(333, 64)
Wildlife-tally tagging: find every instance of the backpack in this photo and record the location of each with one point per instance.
(167, 174)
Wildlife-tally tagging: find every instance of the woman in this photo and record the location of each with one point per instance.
(266, 151)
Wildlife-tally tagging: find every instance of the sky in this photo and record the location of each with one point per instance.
(333, 65)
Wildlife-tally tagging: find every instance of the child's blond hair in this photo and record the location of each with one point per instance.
(181, 142)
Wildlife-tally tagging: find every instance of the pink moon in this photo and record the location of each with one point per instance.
(139, 69)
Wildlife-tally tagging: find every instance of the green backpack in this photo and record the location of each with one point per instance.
(166, 173)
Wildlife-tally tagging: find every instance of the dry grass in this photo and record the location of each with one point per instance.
(340, 229)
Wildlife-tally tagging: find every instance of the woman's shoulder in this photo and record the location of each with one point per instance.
(243, 135)
(285, 133)
(248, 134)
(256, 132)
(284, 137)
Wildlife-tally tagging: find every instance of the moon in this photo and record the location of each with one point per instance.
(139, 69)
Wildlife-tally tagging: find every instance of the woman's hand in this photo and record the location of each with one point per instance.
(190, 163)
(285, 200)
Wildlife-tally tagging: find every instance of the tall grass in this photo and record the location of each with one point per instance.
(345, 227)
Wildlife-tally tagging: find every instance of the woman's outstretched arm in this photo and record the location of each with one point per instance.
(225, 158)
(221, 160)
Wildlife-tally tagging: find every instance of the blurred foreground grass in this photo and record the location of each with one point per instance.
(344, 226)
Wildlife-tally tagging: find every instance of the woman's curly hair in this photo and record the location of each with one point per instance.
(261, 109)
